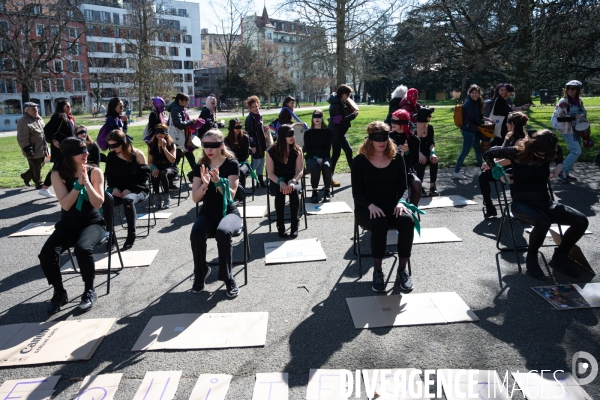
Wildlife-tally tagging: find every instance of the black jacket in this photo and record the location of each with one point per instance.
(317, 143)
(394, 105)
(210, 123)
(472, 116)
(411, 158)
(241, 149)
(339, 116)
(178, 118)
(257, 136)
(57, 129)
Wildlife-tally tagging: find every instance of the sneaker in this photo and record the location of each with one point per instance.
(25, 181)
(58, 300)
(433, 192)
(158, 201)
(166, 202)
(200, 284)
(459, 175)
(315, 197)
(562, 178)
(571, 178)
(404, 281)
(564, 263)
(423, 192)
(46, 193)
(232, 288)
(378, 282)
(335, 184)
(88, 299)
(327, 197)
(533, 267)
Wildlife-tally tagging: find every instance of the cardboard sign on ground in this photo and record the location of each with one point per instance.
(30, 389)
(334, 207)
(99, 387)
(46, 342)
(409, 309)
(204, 331)
(575, 253)
(130, 259)
(35, 229)
(211, 387)
(253, 211)
(271, 386)
(554, 227)
(158, 215)
(481, 384)
(158, 385)
(409, 386)
(560, 385)
(571, 297)
(428, 235)
(326, 384)
(292, 251)
(444, 201)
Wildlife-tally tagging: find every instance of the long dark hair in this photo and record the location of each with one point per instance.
(519, 120)
(541, 142)
(66, 167)
(217, 134)
(110, 108)
(127, 148)
(181, 97)
(153, 145)
(480, 99)
(281, 149)
(285, 117)
(497, 90)
(232, 137)
(287, 100)
(312, 122)
(60, 106)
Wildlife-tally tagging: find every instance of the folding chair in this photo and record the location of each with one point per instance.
(150, 212)
(301, 208)
(357, 252)
(107, 240)
(182, 180)
(240, 198)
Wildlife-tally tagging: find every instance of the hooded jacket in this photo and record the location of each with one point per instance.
(339, 116)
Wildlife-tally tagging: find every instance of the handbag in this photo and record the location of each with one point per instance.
(498, 120)
(178, 135)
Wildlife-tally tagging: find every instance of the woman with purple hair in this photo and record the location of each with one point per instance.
(156, 117)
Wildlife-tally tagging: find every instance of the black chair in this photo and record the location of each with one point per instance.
(360, 255)
(240, 198)
(182, 180)
(301, 208)
(151, 214)
(107, 240)
(508, 217)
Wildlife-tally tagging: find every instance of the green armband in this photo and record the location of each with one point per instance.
(432, 153)
(498, 173)
(414, 210)
(280, 179)
(152, 168)
(109, 190)
(315, 158)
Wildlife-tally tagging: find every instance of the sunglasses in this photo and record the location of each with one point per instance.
(237, 127)
(571, 88)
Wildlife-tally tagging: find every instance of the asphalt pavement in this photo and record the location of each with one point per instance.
(311, 327)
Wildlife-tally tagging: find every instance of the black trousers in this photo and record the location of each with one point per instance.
(275, 191)
(542, 215)
(433, 171)
(163, 180)
(60, 240)
(415, 186)
(222, 228)
(339, 143)
(129, 203)
(189, 156)
(379, 227)
(315, 172)
(244, 172)
(34, 173)
(485, 179)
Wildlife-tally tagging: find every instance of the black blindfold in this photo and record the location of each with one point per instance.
(212, 145)
(381, 136)
(75, 152)
(399, 122)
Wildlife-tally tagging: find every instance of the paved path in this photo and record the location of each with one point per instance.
(311, 328)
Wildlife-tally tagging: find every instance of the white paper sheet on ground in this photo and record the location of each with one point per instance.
(406, 388)
(552, 386)
(334, 207)
(444, 201)
(409, 309)
(271, 386)
(140, 258)
(294, 251)
(428, 235)
(479, 384)
(554, 228)
(102, 386)
(211, 387)
(35, 229)
(204, 331)
(158, 215)
(326, 384)
(253, 211)
(158, 385)
(56, 341)
(30, 389)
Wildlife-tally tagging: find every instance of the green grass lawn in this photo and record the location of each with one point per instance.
(448, 137)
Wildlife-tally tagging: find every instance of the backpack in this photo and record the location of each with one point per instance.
(273, 129)
(489, 106)
(102, 136)
(458, 114)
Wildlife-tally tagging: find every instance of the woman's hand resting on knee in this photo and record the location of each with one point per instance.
(375, 211)
(400, 209)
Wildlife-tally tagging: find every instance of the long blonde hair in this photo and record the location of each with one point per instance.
(205, 160)
(367, 149)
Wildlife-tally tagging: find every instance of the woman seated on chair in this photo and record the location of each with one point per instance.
(93, 148)
(284, 169)
(403, 135)
(317, 146)
(531, 201)
(238, 142)
(216, 179)
(127, 176)
(79, 190)
(161, 160)
(380, 193)
(515, 123)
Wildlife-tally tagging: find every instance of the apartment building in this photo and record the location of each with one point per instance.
(110, 34)
(212, 51)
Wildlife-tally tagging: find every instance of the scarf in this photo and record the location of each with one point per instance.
(414, 210)
(252, 173)
(83, 195)
(257, 117)
(227, 199)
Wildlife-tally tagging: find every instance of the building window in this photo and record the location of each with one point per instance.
(203, 47)
(72, 33)
(188, 77)
(117, 32)
(162, 51)
(129, 34)
(175, 38)
(89, 15)
(118, 48)
(91, 31)
(39, 29)
(75, 66)
(106, 47)
(70, 14)
(58, 66)
(79, 85)
(268, 36)
(173, 51)
(188, 52)
(190, 90)
(116, 19)
(188, 39)
(188, 65)
(60, 85)
(37, 9)
(176, 64)
(46, 85)
(104, 30)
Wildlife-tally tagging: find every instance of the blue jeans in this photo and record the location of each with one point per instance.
(470, 139)
(572, 141)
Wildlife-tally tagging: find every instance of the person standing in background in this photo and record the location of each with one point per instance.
(339, 123)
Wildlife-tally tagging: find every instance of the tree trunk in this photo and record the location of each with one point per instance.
(522, 78)
(340, 39)
(25, 97)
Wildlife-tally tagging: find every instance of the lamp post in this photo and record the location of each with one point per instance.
(242, 74)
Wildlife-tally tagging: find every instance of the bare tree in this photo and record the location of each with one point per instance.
(33, 34)
(267, 70)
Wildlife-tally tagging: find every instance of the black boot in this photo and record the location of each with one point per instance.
(564, 263)
(261, 181)
(129, 241)
(294, 229)
(281, 230)
(489, 210)
(58, 300)
(533, 266)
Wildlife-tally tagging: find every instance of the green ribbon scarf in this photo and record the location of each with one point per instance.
(414, 210)
(252, 173)
(498, 172)
(227, 199)
(83, 195)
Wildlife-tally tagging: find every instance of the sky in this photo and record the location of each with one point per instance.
(206, 10)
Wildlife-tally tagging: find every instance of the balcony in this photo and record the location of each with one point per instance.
(106, 3)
